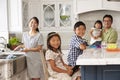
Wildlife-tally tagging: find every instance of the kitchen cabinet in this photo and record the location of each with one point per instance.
(91, 5)
(1, 71)
(56, 14)
(97, 64)
(111, 5)
(52, 14)
(13, 69)
(87, 5)
(100, 72)
(20, 76)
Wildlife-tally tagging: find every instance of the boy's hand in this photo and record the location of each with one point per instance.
(82, 46)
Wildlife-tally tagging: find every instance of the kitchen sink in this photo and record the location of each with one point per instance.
(18, 62)
(4, 56)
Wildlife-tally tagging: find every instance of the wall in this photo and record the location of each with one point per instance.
(65, 38)
(90, 17)
(3, 19)
(15, 17)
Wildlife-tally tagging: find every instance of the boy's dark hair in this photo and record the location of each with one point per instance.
(37, 20)
(50, 35)
(99, 22)
(107, 15)
(79, 23)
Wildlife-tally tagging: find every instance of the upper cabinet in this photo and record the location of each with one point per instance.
(87, 5)
(56, 14)
(53, 14)
(91, 5)
(111, 5)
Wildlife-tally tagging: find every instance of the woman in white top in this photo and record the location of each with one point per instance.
(32, 44)
(96, 34)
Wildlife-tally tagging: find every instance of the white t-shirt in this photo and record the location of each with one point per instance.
(96, 32)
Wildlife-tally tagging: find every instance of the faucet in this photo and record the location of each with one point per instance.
(3, 42)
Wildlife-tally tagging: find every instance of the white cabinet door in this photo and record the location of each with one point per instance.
(88, 5)
(91, 5)
(111, 5)
(56, 14)
(2, 72)
(48, 10)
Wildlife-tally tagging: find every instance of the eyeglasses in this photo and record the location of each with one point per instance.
(107, 21)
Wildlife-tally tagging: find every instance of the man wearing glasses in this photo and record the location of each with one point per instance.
(109, 35)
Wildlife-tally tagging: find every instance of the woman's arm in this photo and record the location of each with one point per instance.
(18, 47)
(36, 49)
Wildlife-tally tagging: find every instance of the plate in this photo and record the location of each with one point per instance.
(113, 50)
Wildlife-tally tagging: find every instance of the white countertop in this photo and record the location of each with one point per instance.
(12, 52)
(98, 57)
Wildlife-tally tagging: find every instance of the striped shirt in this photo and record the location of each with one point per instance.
(74, 49)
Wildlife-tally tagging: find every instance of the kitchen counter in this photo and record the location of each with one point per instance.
(10, 52)
(13, 66)
(97, 57)
(97, 64)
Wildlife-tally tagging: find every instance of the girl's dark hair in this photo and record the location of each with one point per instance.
(109, 16)
(99, 22)
(37, 20)
(50, 35)
(79, 23)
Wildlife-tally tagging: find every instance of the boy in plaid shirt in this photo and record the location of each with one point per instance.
(77, 45)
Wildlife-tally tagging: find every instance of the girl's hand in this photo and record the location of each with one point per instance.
(69, 71)
(68, 67)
